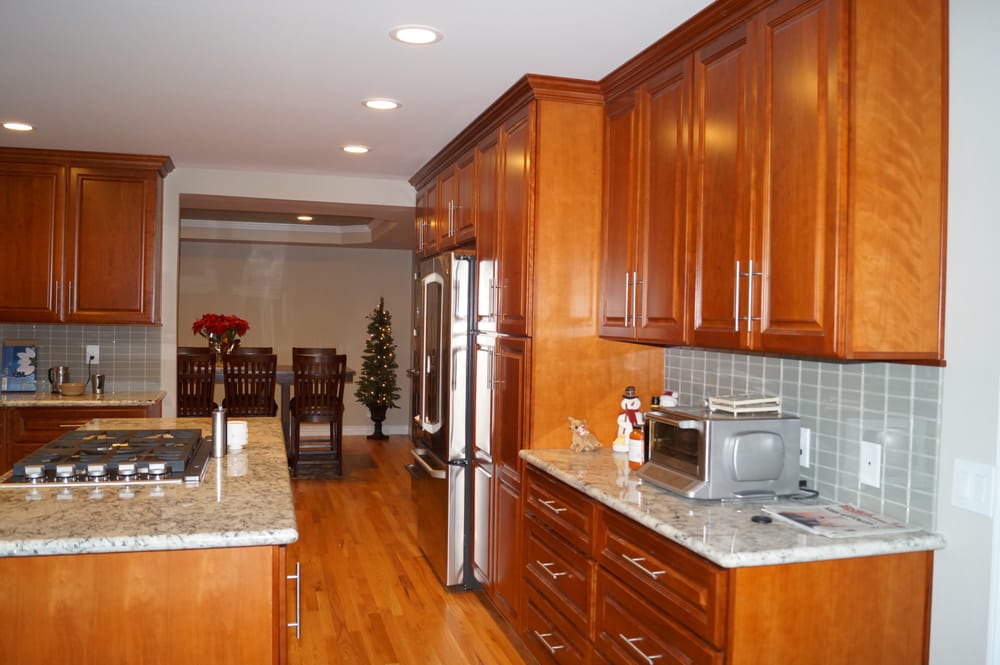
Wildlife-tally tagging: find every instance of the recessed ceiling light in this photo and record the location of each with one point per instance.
(304, 218)
(18, 126)
(381, 104)
(356, 149)
(416, 34)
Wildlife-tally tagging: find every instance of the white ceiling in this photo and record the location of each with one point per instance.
(277, 86)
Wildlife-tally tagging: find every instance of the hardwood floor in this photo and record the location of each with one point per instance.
(368, 595)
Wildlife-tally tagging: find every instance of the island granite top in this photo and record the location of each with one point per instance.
(124, 398)
(244, 499)
(722, 532)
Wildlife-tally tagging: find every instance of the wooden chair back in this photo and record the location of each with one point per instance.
(195, 384)
(313, 350)
(252, 349)
(319, 386)
(248, 379)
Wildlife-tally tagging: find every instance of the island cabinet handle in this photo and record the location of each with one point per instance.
(297, 624)
(545, 567)
(550, 504)
(636, 562)
(630, 641)
(551, 647)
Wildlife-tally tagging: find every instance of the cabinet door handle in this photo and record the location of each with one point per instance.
(750, 317)
(627, 284)
(635, 299)
(298, 600)
(451, 217)
(630, 641)
(551, 647)
(550, 504)
(636, 562)
(58, 297)
(736, 298)
(545, 567)
(72, 297)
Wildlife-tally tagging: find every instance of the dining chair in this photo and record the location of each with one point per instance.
(252, 349)
(313, 350)
(319, 380)
(248, 380)
(195, 384)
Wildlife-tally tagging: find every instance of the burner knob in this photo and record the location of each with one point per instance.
(97, 471)
(126, 470)
(157, 469)
(34, 472)
(65, 472)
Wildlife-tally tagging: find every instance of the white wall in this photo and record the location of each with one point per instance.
(960, 618)
(366, 288)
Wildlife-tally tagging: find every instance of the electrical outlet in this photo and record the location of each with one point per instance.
(804, 441)
(870, 472)
(93, 353)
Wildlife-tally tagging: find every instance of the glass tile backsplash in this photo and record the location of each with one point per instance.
(895, 405)
(129, 355)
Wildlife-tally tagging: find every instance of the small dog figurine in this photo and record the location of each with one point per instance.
(584, 440)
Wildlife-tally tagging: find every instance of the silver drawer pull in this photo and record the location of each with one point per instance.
(635, 562)
(550, 504)
(631, 642)
(545, 567)
(551, 647)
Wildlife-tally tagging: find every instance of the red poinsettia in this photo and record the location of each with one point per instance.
(225, 326)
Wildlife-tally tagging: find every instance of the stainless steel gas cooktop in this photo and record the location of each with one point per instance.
(95, 458)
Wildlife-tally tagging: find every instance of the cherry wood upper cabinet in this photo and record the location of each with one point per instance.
(32, 198)
(515, 237)
(816, 179)
(90, 226)
(486, 188)
(644, 267)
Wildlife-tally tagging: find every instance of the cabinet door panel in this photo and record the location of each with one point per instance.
(112, 262)
(796, 148)
(515, 236)
(486, 230)
(621, 163)
(32, 198)
(661, 250)
(513, 361)
(549, 635)
(464, 211)
(720, 205)
(507, 572)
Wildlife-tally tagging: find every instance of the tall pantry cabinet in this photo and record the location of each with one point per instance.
(539, 360)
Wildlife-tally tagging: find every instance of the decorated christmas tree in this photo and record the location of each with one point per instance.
(377, 387)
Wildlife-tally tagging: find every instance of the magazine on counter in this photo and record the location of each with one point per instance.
(19, 365)
(837, 520)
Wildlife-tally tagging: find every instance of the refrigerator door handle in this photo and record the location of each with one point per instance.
(440, 474)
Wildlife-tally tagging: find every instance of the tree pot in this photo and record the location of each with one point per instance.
(377, 415)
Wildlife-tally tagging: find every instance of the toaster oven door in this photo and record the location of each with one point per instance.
(678, 445)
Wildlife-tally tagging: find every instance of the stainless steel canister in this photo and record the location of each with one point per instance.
(97, 383)
(219, 432)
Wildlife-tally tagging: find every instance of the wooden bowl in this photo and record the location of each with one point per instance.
(71, 389)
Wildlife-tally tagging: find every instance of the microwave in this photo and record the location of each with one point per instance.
(703, 454)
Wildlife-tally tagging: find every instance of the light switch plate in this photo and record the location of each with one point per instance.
(804, 441)
(93, 353)
(870, 472)
(972, 488)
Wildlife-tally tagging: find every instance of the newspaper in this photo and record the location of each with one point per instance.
(840, 520)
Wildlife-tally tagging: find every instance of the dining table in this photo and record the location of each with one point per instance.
(285, 378)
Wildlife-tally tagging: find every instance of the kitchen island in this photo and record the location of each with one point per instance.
(641, 569)
(172, 573)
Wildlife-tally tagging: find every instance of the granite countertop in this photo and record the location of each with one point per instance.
(244, 499)
(722, 532)
(124, 398)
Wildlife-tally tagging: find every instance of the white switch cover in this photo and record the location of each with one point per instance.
(93, 353)
(972, 488)
(870, 472)
(804, 446)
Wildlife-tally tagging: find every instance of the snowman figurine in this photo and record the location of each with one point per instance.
(629, 418)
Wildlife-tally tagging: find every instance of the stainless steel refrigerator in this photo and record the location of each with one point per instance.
(441, 427)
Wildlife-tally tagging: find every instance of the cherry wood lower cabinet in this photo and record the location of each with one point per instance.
(27, 428)
(602, 588)
(187, 606)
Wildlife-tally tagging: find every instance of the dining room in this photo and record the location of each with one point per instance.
(299, 295)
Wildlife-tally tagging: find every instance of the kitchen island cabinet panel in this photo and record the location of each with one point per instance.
(551, 637)
(186, 607)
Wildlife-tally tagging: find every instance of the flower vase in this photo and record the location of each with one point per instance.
(221, 345)
(377, 413)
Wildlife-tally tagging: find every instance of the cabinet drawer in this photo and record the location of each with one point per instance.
(562, 573)
(567, 511)
(681, 584)
(550, 636)
(631, 631)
